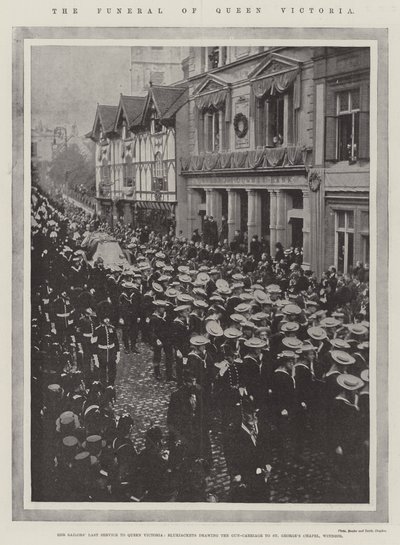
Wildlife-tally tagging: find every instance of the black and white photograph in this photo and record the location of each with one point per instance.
(200, 223)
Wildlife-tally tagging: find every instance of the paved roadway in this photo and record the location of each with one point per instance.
(305, 479)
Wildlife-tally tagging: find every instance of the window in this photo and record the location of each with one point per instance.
(212, 130)
(160, 182)
(348, 110)
(105, 171)
(128, 172)
(344, 241)
(364, 231)
(217, 56)
(155, 125)
(275, 120)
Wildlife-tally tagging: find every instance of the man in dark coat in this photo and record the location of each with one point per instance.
(186, 420)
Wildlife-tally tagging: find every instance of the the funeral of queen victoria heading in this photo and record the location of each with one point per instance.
(234, 10)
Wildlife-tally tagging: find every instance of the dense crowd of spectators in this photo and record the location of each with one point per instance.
(254, 342)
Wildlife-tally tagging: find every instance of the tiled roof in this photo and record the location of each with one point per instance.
(167, 99)
(107, 116)
(133, 107)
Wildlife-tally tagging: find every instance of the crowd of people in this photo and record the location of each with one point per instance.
(253, 342)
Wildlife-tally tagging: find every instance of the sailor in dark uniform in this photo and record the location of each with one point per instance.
(107, 354)
(181, 338)
(160, 338)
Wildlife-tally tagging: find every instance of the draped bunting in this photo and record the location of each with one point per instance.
(216, 99)
(279, 83)
(246, 159)
(196, 162)
(239, 159)
(294, 155)
(225, 159)
(210, 161)
(297, 92)
(255, 158)
(274, 156)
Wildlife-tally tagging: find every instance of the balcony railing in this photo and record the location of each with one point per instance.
(262, 158)
(108, 192)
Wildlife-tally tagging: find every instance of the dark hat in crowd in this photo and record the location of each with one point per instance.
(104, 310)
(82, 461)
(70, 445)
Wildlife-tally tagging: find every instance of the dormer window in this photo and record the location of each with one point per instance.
(155, 124)
(216, 56)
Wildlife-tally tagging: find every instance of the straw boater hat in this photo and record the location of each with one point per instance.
(181, 308)
(290, 327)
(94, 444)
(200, 291)
(238, 277)
(128, 285)
(160, 264)
(288, 354)
(340, 344)
(217, 298)
(171, 293)
(317, 333)
(246, 297)
(213, 328)
(238, 318)
(293, 343)
(199, 340)
(307, 347)
(258, 316)
(364, 375)
(341, 357)
(184, 278)
(199, 303)
(202, 278)
(261, 297)
(222, 284)
(82, 461)
(232, 333)
(183, 269)
(247, 324)
(292, 309)
(255, 342)
(204, 268)
(185, 298)
(160, 303)
(242, 308)
(273, 288)
(350, 382)
(257, 287)
(224, 291)
(163, 278)
(329, 322)
(157, 287)
(160, 255)
(357, 329)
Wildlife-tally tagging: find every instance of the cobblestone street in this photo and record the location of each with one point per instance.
(306, 479)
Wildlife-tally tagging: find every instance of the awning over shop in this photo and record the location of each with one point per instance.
(152, 205)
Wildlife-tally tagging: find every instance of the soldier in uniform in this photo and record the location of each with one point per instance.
(107, 353)
(86, 334)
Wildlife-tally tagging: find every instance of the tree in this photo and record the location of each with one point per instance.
(70, 167)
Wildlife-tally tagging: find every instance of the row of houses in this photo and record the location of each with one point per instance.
(276, 140)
